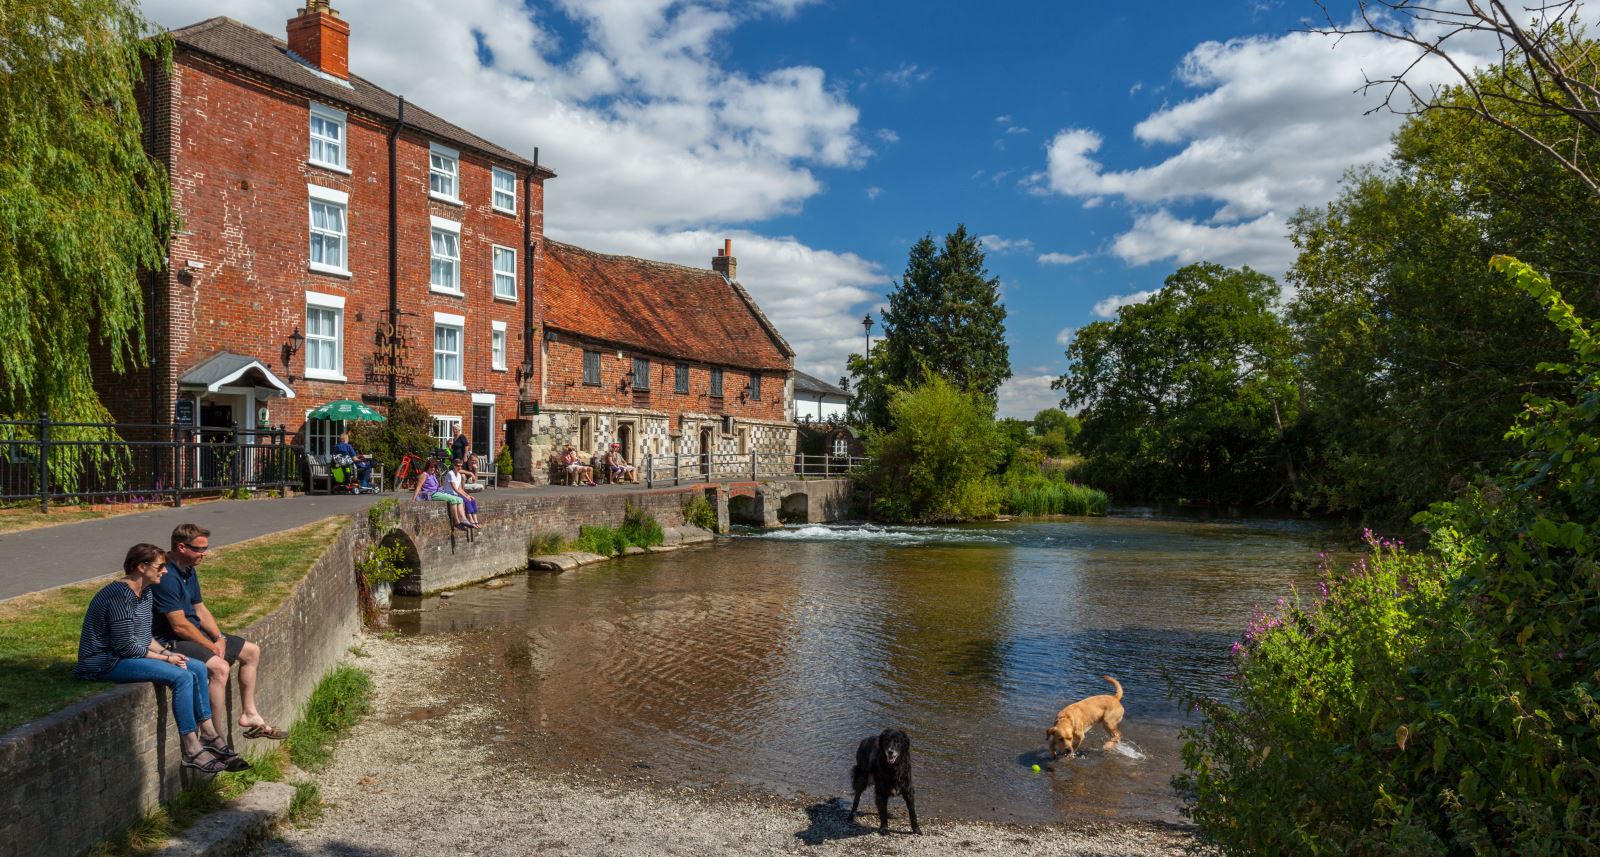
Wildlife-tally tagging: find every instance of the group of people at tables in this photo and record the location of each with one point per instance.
(153, 625)
(609, 462)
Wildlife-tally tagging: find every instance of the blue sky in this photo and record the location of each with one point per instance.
(1096, 146)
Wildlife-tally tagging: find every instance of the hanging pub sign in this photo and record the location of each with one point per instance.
(389, 355)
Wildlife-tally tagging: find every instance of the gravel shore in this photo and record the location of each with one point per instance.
(404, 785)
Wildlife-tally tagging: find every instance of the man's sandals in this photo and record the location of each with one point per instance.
(264, 731)
(227, 754)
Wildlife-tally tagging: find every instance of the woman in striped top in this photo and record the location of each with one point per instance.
(116, 646)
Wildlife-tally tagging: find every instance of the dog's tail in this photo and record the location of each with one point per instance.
(1115, 684)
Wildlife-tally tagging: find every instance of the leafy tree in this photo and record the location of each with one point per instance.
(869, 403)
(1189, 395)
(1055, 430)
(83, 209)
(945, 320)
(935, 464)
(1415, 355)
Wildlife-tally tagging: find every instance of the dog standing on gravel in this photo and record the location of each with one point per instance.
(1077, 719)
(884, 760)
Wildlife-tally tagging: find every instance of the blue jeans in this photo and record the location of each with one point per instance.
(191, 700)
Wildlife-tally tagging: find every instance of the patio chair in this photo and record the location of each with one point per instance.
(487, 475)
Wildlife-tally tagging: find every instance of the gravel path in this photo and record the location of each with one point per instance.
(405, 786)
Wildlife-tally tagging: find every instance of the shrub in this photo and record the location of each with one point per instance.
(407, 429)
(1443, 703)
(383, 563)
(337, 702)
(502, 461)
(934, 464)
(1032, 487)
(382, 516)
(699, 512)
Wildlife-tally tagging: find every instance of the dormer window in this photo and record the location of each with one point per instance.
(327, 137)
(444, 173)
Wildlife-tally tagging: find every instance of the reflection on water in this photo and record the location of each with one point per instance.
(761, 662)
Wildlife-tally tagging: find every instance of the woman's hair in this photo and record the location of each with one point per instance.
(140, 554)
(431, 465)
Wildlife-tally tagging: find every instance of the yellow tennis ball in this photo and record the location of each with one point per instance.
(1036, 769)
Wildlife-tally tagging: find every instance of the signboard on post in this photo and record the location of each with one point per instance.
(183, 412)
(528, 409)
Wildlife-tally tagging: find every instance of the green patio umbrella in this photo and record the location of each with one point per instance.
(346, 409)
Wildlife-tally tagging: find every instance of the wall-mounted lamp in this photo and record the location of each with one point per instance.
(291, 346)
(626, 382)
(524, 371)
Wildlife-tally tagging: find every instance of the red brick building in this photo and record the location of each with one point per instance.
(663, 359)
(337, 242)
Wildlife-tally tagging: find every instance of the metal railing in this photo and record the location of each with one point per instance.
(727, 467)
(46, 460)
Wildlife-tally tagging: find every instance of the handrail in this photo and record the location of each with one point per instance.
(677, 469)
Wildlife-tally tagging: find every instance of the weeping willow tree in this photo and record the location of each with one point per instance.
(83, 209)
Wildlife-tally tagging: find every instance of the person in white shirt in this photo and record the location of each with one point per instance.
(456, 483)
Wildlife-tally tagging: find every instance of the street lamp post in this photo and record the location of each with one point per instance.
(866, 323)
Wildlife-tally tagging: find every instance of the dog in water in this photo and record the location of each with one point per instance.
(1077, 719)
(884, 760)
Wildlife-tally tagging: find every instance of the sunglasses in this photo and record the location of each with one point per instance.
(196, 549)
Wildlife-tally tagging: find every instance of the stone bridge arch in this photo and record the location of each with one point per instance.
(795, 508)
(411, 582)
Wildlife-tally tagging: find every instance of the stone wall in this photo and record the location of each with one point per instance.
(75, 777)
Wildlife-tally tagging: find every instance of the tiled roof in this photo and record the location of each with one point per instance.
(804, 383)
(670, 310)
(246, 47)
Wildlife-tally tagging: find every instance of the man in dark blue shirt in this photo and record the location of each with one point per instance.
(363, 465)
(182, 621)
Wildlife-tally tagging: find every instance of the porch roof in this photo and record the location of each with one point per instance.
(225, 367)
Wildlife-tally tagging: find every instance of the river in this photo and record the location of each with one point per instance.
(757, 664)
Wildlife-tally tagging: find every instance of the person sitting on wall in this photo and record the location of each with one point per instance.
(430, 488)
(363, 464)
(116, 645)
(577, 471)
(621, 470)
(184, 622)
(455, 482)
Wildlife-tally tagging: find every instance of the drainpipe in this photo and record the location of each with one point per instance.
(394, 231)
(528, 266)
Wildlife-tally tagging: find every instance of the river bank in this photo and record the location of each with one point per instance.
(419, 777)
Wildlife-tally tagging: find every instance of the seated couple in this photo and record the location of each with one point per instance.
(452, 490)
(147, 626)
(617, 466)
(578, 473)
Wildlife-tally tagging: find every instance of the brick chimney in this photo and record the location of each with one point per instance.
(724, 263)
(319, 36)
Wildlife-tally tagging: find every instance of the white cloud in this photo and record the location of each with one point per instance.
(874, 192)
(996, 244)
(1002, 120)
(907, 74)
(1134, 89)
(888, 136)
(657, 144)
(1275, 126)
(1064, 337)
(1016, 129)
(1022, 396)
(1062, 258)
(1107, 307)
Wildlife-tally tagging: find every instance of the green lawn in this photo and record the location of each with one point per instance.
(39, 633)
(17, 519)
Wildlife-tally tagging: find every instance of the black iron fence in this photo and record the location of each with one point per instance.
(724, 467)
(50, 461)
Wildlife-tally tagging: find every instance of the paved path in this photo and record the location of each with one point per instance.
(32, 560)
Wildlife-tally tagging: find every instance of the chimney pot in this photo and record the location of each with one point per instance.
(724, 263)
(320, 37)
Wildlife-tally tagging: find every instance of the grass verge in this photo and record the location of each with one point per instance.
(335, 705)
(39, 632)
(17, 519)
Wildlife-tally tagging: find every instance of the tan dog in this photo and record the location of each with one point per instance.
(1077, 719)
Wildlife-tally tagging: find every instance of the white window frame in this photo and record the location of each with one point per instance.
(445, 163)
(321, 435)
(459, 324)
(495, 193)
(341, 145)
(327, 303)
(327, 196)
(452, 427)
(497, 251)
(497, 346)
(442, 226)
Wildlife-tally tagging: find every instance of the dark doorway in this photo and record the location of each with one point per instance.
(625, 441)
(216, 444)
(482, 430)
(705, 452)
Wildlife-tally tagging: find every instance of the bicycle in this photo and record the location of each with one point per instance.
(413, 465)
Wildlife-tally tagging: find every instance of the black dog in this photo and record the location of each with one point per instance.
(885, 761)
